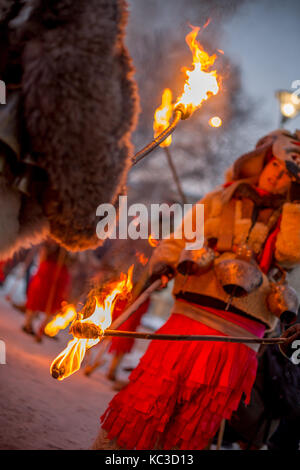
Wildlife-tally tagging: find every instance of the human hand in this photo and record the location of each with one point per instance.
(163, 272)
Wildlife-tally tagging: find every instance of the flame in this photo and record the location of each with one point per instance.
(142, 258)
(200, 83)
(163, 115)
(215, 121)
(61, 321)
(152, 241)
(70, 359)
(207, 23)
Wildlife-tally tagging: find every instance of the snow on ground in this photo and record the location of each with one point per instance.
(37, 411)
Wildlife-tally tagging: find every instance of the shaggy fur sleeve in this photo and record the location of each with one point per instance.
(287, 250)
(80, 106)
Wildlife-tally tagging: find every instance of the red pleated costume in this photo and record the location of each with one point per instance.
(125, 345)
(41, 283)
(180, 391)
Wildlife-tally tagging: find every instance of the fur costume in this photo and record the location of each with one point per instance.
(77, 107)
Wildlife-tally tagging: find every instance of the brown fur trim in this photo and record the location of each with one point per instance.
(22, 223)
(250, 164)
(245, 190)
(228, 176)
(80, 106)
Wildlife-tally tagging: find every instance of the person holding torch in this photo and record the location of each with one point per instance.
(235, 285)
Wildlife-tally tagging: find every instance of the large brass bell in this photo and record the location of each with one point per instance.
(282, 300)
(239, 276)
(193, 262)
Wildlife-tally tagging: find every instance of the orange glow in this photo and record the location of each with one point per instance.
(206, 24)
(61, 321)
(162, 116)
(152, 241)
(215, 121)
(200, 83)
(70, 359)
(142, 258)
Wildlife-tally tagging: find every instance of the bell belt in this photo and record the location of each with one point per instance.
(211, 320)
(208, 301)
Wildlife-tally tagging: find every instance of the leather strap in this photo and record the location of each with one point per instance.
(208, 301)
(213, 321)
(225, 237)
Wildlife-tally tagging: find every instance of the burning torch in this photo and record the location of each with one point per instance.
(200, 84)
(86, 332)
(162, 117)
(94, 332)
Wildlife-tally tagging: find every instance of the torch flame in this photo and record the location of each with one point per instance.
(142, 258)
(163, 115)
(200, 83)
(70, 359)
(152, 241)
(61, 321)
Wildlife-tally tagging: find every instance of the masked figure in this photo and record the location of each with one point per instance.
(234, 286)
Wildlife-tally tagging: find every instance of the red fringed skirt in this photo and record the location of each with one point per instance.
(40, 286)
(180, 391)
(124, 345)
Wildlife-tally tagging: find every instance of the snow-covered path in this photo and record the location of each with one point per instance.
(37, 411)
